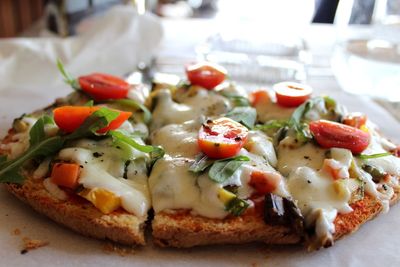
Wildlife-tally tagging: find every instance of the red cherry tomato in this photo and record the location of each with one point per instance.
(222, 138)
(264, 182)
(330, 134)
(69, 118)
(103, 86)
(205, 74)
(291, 94)
(355, 119)
(259, 97)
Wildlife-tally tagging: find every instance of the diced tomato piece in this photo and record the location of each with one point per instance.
(259, 97)
(69, 118)
(264, 182)
(291, 94)
(222, 138)
(65, 174)
(355, 119)
(103, 86)
(205, 74)
(330, 134)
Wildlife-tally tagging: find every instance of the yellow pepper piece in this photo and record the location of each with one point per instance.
(225, 196)
(364, 128)
(341, 190)
(102, 199)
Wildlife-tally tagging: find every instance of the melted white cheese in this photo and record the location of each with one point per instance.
(272, 111)
(203, 103)
(106, 169)
(260, 144)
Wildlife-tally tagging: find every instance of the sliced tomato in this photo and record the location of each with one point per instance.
(355, 119)
(291, 94)
(205, 74)
(69, 118)
(330, 134)
(264, 182)
(259, 97)
(222, 138)
(103, 86)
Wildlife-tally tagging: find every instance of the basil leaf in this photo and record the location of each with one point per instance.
(45, 148)
(97, 120)
(244, 115)
(221, 170)
(374, 156)
(37, 133)
(237, 100)
(136, 105)
(237, 206)
(67, 77)
(200, 163)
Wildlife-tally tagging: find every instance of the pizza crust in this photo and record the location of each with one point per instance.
(185, 230)
(81, 216)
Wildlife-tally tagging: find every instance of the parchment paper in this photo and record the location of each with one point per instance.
(377, 243)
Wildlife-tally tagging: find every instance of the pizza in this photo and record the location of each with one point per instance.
(211, 163)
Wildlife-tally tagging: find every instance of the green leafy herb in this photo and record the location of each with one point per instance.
(3, 158)
(9, 169)
(237, 206)
(97, 120)
(237, 100)
(43, 147)
(374, 156)
(155, 152)
(37, 133)
(200, 163)
(136, 105)
(67, 77)
(90, 103)
(272, 124)
(244, 115)
(221, 170)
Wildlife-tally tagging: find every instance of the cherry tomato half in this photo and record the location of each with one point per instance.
(355, 119)
(222, 138)
(205, 74)
(264, 182)
(103, 86)
(291, 94)
(69, 118)
(330, 134)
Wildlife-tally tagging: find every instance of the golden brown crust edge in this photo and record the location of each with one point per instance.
(171, 230)
(363, 211)
(83, 218)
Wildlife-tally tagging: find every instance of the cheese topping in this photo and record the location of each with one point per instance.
(103, 166)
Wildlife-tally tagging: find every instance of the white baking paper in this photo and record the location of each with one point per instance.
(377, 243)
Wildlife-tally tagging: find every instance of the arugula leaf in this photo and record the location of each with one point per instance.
(3, 158)
(237, 100)
(97, 120)
(374, 156)
(90, 103)
(67, 77)
(244, 115)
(156, 152)
(272, 124)
(45, 148)
(237, 206)
(200, 163)
(221, 170)
(136, 105)
(37, 133)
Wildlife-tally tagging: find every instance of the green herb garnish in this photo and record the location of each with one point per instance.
(374, 156)
(67, 77)
(244, 115)
(237, 100)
